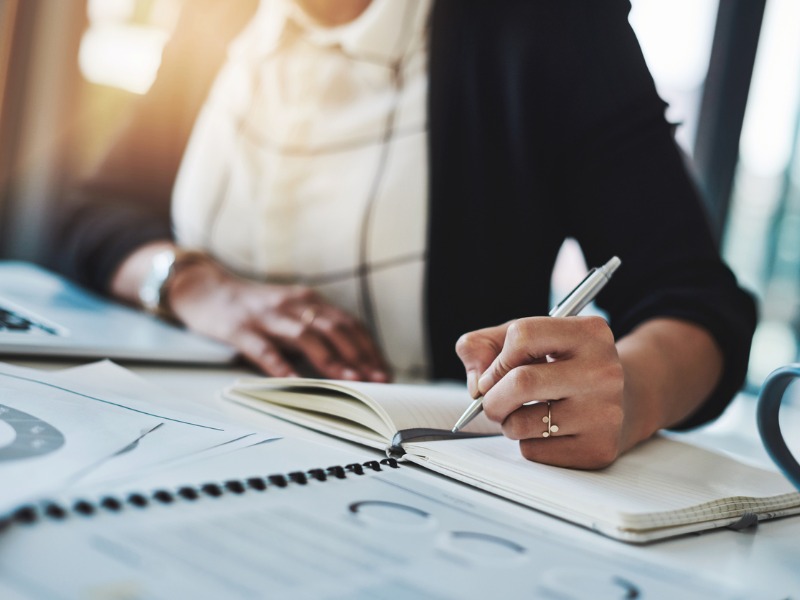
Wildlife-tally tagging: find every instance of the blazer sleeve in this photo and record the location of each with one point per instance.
(125, 202)
(625, 191)
(545, 123)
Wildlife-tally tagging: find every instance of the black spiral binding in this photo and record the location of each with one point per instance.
(29, 514)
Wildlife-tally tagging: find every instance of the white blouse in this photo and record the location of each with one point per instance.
(308, 164)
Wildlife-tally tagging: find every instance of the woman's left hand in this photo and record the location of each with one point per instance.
(567, 368)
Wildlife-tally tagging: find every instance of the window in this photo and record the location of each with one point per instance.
(123, 44)
(119, 56)
(762, 239)
(676, 39)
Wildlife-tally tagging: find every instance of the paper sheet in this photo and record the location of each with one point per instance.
(93, 424)
(378, 535)
(50, 436)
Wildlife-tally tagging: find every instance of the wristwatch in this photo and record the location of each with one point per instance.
(153, 291)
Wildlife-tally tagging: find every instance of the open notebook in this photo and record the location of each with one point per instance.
(660, 489)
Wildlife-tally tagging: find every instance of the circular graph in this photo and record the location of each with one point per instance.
(31, 437)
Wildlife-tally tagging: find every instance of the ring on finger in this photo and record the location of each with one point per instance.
(548, 419)
(308, 315)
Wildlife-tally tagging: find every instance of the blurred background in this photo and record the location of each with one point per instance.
(729, 69)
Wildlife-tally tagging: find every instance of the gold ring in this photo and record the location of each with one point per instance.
(308, 315)
(551, 428)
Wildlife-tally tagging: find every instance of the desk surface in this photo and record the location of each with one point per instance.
(765, 559)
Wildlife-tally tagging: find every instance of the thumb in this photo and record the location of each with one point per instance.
(519, 348)
(477, 350)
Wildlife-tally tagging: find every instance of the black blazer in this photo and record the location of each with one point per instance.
(544, 123)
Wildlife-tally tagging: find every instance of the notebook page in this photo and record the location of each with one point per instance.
(404, 406)
(315, 404)
(336, 426)
(661, 483)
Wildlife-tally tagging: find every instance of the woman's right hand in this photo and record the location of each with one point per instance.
(276, 327)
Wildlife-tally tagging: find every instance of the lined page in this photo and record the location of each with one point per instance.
(661, 483)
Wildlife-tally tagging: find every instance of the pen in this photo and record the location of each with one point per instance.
(570, 306)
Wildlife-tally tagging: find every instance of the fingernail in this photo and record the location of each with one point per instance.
(379, 376)
(472, 383)
(485, 383)
(350, 374)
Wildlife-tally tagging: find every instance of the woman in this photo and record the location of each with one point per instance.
(370, 179)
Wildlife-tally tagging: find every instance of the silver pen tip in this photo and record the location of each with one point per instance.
(613, 263)
(472, 411)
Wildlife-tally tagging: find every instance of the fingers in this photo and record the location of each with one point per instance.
(299, 336)
(350, 339)
(262, 353)
(276, 326)
(573, 363)
(570, 452)
(531, 421)
(335, 347)
(300, 322)
(534, 339)
(582, 436)
(586, 377)
(267, 343)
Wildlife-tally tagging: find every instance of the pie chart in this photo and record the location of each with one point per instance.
(24, 436)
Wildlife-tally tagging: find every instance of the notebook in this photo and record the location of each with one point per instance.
(43, 314)
(357, 530)
(662, 488)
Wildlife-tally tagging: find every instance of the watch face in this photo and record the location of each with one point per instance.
(150, 291)
(24, 436)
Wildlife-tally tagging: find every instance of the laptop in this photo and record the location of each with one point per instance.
(44, 315)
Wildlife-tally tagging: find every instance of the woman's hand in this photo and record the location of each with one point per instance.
(605, 397)
(572, 362)
(276, 327)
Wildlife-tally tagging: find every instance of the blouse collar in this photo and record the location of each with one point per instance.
(384, 32)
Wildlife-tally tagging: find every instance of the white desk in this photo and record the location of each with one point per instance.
(764, 561)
